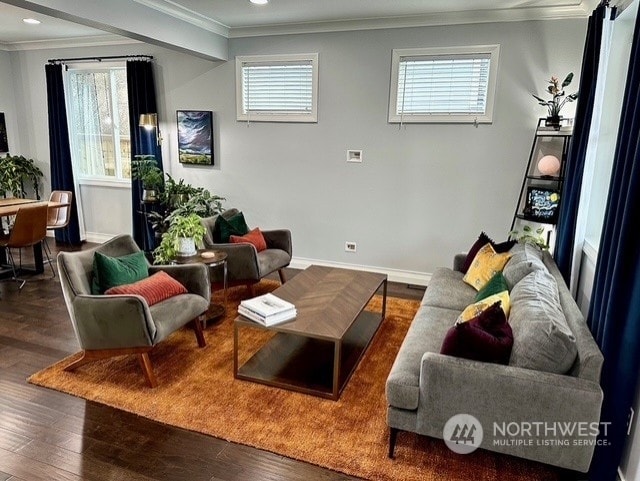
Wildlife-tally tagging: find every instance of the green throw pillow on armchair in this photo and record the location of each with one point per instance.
(225, 228)
(115, 271)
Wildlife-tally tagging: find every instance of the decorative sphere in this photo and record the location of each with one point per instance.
(549, 165)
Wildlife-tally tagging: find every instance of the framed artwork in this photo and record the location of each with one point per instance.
(542, 204)
(4, 143)
(195, 137)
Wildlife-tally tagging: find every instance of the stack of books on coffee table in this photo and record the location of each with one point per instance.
(267, 310)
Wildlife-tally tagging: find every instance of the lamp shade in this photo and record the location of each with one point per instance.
(148, 121)
(549, 165)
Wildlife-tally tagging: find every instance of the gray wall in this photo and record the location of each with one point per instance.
(423, 192)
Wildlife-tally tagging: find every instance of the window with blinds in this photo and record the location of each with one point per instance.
(443, 85)
(280, 88)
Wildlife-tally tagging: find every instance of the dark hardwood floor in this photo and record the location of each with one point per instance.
(49, 436)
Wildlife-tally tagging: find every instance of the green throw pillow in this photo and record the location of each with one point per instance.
(495, 285)
(235, 225)
(116, 271)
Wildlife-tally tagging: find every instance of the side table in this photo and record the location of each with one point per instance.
(214, 259)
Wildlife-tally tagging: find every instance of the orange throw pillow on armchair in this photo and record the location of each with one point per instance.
(253, 237)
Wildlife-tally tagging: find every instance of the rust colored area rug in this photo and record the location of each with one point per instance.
(197, 391)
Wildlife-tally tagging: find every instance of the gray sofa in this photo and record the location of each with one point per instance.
(425, 389)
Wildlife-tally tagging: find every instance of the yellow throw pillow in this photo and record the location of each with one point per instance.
(486, 264)
(475, 309)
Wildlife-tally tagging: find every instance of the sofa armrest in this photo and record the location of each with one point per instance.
(278, 239)
(113, 321)
(458, 261)
(195, 277)
(497, 394)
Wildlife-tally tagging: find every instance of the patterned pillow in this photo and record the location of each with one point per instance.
(253, 237)
(156, 288)
(476, 308)
(495, 285)
(477, 245)
(486, 264)
(486, 338)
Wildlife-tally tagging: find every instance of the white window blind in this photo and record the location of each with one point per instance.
(440, 86)
(282, 88)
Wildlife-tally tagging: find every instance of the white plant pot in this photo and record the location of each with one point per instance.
(186, 246)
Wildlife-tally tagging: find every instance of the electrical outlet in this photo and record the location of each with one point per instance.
(354, 155)
(350, 246)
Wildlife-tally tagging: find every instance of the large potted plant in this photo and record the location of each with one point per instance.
(145, 168)
(184, 234)
(15, 172)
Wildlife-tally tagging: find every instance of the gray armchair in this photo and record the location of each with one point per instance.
(114, 325)
(245, 265)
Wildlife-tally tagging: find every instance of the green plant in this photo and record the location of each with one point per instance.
(180, 226)
(530, 236)
(145, 168)
(200, 202)
(17, 170)
(557, 92)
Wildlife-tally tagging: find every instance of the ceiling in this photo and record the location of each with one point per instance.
(235, 18)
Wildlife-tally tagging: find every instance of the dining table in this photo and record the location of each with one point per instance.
(10, 207)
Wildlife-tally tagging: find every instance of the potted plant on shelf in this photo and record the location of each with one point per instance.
(145, 168)
(554, 106)
(535, 237)
(177, 193)
(17, 170)
(184, 233)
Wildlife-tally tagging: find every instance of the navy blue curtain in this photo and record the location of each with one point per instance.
(614, 314)
(142, 100)
(563, 252)
(59, 150)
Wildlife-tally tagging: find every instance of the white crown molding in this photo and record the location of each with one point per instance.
(176, 10)
(394, 275)
(91, 41)
(436, 19)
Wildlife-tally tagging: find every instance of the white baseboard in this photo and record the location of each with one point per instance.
(97, 237)
(394, 275)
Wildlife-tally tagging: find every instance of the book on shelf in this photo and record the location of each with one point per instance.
(267, 305)
(271, 320)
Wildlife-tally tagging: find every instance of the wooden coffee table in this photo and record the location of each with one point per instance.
(317, 352)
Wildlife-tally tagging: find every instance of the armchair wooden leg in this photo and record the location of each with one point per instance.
(197, 327)
(147, 368)
(283, 278)
(95, 355)
(393, 435)
(252, 291)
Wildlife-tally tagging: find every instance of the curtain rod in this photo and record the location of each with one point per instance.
(98, 59)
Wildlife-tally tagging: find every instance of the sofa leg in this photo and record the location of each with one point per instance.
(393, 435)
(283, 278)
(197, 327)
(251, 290)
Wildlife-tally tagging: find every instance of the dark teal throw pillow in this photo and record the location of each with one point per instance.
(116, 271)
(225, 228)
(495, 285)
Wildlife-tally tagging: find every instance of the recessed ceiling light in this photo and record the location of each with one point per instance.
(259, 2)
(31, 21)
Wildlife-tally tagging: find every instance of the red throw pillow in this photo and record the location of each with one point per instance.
(253, 237)
(486, 337)
(156, 288)
(483, 239)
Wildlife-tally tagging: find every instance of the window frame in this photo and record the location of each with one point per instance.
(117, 181)
(398, 54)
(274, 116)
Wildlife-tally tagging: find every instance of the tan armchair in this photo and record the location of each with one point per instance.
(114, 325)
(245, 265)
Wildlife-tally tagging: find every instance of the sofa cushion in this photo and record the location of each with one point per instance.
(474, 310)
(543, 340)
(426, 333)
(495, 285)
(447, 290)
(525, 259)
(485, 265)
(477, 245)
(153, 289)
(115, 271)
(487, 337)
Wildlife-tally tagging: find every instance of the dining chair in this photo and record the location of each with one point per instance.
(58, 217)
(29, 228)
